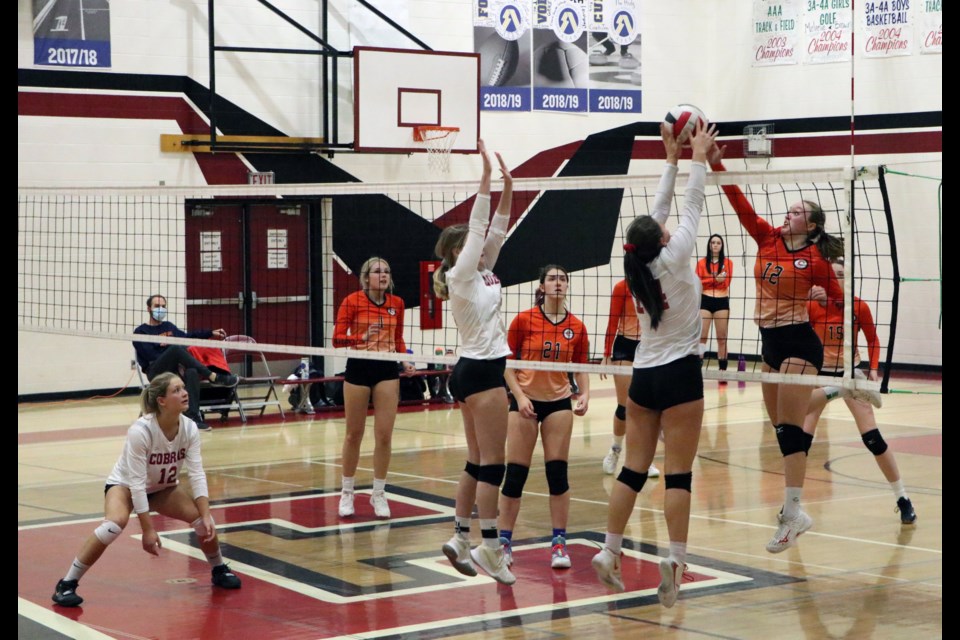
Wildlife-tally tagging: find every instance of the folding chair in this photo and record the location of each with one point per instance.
(242, 398)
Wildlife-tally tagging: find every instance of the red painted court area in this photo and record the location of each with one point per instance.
(132, 594)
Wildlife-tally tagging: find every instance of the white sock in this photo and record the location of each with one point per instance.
(379, 485)
(347, 485)
(617, 442)
(791, 501)
(678, 552)
(462, 526)
(832, 392)
(215, 559)
(613, 542)
(898, 489)
(77, 569)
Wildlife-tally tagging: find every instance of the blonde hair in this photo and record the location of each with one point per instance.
(156, 389)
(365, 273)
(451, 239)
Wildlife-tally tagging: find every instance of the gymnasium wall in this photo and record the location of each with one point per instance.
(87, 128)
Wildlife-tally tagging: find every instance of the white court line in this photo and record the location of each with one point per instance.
(66, 626)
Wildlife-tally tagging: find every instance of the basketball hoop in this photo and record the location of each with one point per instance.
(438, 142)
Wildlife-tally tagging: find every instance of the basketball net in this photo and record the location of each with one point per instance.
(438, 142)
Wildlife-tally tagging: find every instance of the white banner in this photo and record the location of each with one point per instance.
(931, 26)
(776, 32)
(828, 31)
(888, 28)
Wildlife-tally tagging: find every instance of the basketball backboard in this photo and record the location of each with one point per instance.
(395, 90)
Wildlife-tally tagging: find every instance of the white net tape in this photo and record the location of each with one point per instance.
(438, 142)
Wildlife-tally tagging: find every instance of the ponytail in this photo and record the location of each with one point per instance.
(830, 246)
(440, 281)
(451, 239)
(155, 389)
(644, 237)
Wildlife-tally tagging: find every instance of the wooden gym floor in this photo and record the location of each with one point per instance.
(308, 574)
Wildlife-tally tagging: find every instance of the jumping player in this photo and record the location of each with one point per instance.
(666, 394)
(468, 253)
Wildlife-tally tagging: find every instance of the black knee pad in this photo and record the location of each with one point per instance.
(632, 479)
(807, 442)
(621, 412)
(557, 477)
(516, 478)
(473, 470)
(875, 442)
(678, 481)
(790, 438)
(492, 474)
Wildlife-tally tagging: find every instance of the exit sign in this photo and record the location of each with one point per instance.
(260, 177)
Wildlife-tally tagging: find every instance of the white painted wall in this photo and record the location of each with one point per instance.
(692, 52)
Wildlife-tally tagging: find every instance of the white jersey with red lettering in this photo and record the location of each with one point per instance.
(150, 462)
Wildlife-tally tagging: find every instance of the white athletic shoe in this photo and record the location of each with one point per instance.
(867, 395)
(610, 460)
(457, 550)
(653, 472)
(378, 500)
(559, 558)
(494, 562)
(787, 532)
(607, 566)
(671, 574)
(346, 504)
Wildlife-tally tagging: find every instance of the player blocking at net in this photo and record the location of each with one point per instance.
(666, 392)
(465, 278)
(162, 443)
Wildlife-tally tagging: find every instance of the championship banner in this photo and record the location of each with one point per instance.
(71, 34)
(615, 79)
(888, 28)
(560, 67)
(931, 26)
(776, 32)
(828, 30)
(502, 37)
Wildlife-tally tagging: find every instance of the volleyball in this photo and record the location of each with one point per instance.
(683, 120)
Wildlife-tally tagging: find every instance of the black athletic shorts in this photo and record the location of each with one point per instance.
(624, 349)
(369, 373)
(792, 341)
(668, 385)
(712, 304)
(471, 376)
(544, 408)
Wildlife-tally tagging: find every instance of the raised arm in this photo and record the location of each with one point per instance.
(682, 240)
(472, 249)
(754, 224)
(501, 220)
(661, 201)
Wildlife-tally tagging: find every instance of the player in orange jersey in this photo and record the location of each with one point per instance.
(541, 404)
(827, 321)
(715, 271)
(370, 320)
(790, 260)
(619, 346)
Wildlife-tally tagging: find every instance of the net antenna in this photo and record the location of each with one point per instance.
(438, 142)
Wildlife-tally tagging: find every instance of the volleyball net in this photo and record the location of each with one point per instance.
(275, 261)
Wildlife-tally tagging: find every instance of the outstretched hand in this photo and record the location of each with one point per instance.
(487, 166)
(670, 143)
(715, 155)
(703, 139)
(504, 169)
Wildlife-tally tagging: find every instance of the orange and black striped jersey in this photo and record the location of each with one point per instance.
(358, 313)
(623, 318)
(784, 277)
(532, 336)
(827, 321)
(708, 279)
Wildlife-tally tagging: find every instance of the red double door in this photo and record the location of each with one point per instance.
(248, 270)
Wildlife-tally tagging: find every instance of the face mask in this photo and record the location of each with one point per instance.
(159, 314)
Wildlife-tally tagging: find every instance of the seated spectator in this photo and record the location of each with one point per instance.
(156, 358)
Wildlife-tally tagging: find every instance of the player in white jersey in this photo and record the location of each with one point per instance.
(468, 254)
(666, 393)
(160, 445)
